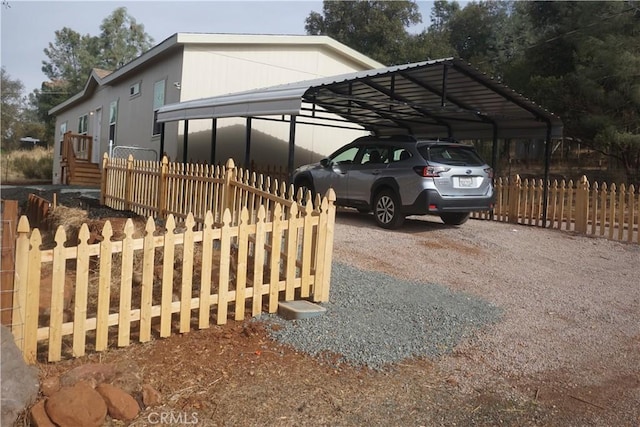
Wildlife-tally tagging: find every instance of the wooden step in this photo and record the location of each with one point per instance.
(84, 173)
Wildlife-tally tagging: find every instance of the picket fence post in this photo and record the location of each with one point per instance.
(582, 205)
(514, 199)
(229, 174)
(163, 188)
(103, 178)
(20, 282)
(328, 246)
(128, 185)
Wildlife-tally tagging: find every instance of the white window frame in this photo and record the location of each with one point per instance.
(83, 124)
(63, 130)
(113, 118)
(134, 89)
(159, 92)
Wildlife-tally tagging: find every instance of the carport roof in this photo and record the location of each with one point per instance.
(445, 97)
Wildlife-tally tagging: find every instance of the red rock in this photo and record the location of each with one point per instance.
(150, 396)
(50, 385)
(39, 417)
(120, 404)
(78, 405)
(93, 373)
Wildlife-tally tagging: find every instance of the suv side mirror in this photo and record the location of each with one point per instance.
(325, 162)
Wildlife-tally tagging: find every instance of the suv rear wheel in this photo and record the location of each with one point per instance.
(386, 210)
(454, 218)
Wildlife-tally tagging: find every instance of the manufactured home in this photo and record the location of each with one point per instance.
(116, 112)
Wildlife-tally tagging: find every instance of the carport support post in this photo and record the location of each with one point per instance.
(547, 162)
(494, 150)
(186, 141)
(247, 149)
(161, 142)
(292, 145)
(214, 137)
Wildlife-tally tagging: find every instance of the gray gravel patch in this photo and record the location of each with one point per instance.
(375, 320)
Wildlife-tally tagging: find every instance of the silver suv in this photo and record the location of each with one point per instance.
(398, 176)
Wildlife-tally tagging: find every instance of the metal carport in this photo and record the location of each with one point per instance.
(439, 98)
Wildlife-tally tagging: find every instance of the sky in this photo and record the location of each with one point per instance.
(29, 26)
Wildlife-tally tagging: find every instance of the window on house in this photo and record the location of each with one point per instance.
(83, 124)
(158, 101)
(113, 117)
(63, 130)
(134, 89)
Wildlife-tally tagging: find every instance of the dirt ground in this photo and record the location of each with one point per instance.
(566, 353)
(545, 364)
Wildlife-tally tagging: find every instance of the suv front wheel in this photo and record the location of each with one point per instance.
(386, 210)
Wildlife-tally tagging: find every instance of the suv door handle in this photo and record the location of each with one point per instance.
(375, 172)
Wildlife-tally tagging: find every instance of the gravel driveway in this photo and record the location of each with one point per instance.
(569, 331)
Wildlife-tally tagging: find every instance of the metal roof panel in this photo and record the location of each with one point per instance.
(425, 98)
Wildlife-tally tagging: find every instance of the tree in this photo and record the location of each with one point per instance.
(12, 105)
(374, 28)
(18, 120)
(122, 39)
(482, 33)
(585, 68)
(44, 99)
(72, 56)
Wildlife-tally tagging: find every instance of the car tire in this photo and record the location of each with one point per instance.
(386, 210)
(454, 218)
(306, 185)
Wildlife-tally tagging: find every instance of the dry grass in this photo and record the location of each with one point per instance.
(22, 165)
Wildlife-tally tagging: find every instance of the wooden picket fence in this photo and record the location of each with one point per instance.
(259, 250)
(597, 210)
(158, 189)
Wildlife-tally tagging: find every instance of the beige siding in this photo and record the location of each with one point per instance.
(218, 70)
(209, 65)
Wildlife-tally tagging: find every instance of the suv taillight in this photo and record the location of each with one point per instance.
(430, 171)
(489, 172)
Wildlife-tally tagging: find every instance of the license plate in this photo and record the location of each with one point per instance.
(466, 181)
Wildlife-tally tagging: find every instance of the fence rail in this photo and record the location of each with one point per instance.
(217, 241)
(592, 209)
(165, 279)
(162, 188)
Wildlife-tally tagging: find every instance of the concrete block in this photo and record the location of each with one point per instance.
(292, 310)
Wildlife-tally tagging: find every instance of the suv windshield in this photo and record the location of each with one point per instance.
(453, 155)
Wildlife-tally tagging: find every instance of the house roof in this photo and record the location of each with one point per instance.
(445, 97)
(102, 73)
(100, 77)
